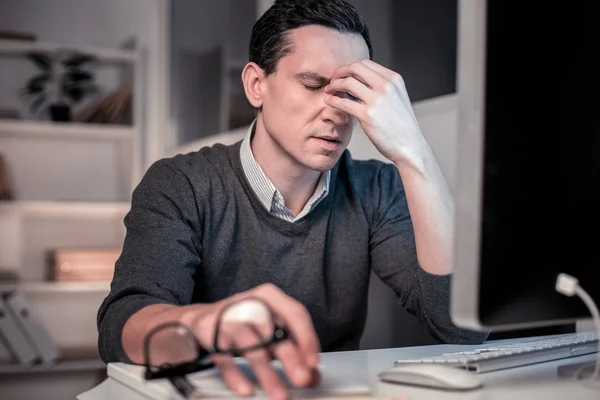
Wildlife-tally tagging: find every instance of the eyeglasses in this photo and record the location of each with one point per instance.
(173, 351)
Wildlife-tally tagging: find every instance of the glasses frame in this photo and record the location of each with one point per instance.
(202, 361)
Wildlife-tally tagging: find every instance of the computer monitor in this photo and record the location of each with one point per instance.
(528, 173)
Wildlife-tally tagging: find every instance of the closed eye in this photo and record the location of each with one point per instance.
(313, 88)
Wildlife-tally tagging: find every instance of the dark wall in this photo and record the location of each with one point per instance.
(424, 44)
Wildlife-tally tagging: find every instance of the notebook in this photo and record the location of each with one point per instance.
(331, 385)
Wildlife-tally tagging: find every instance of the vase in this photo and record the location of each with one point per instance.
(60, 113)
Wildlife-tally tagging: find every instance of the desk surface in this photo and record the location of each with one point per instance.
(362, 367)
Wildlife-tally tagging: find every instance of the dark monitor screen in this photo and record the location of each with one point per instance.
(538, 195)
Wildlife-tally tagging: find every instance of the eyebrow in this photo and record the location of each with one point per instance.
(313, 76)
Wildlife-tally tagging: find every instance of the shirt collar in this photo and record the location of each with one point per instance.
(262, 185)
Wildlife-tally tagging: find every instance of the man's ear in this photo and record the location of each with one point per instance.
(252, 77)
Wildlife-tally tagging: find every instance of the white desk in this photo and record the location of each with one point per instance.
(531, 382)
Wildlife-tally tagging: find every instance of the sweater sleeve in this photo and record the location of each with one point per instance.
(160, 255)
(394, 260)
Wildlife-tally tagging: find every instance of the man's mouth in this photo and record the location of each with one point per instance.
(331, 139)
(328, 142)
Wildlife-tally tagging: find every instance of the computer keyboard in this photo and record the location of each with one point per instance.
(526, 352)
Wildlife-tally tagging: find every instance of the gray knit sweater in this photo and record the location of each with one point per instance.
(196, 233)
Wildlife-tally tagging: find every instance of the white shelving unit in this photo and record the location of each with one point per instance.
(33, 225)
(58, 209)
(20, 47)
(49, 288)
(63, 366)
(62, 130)
(45, 288)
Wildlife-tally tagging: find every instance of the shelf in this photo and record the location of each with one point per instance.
(65, 209)
(22, 47)
(66, 130)
(64, 287)
(37, 288)
(61, 366)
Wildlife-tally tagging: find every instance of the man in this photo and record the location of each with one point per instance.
(286, 215)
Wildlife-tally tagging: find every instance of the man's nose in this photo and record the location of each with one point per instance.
(335, 115)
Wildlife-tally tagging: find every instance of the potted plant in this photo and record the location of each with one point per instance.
(59, 92)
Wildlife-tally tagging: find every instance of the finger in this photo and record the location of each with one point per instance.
(362, 72)
(389, 75)
(296, 319)
(261, 363)
(293, 363)
(352, 86)
(268, 379)
(233, 377)
(346, 105)
(381, 70)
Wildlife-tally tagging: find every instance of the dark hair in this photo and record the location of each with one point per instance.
(270, 39)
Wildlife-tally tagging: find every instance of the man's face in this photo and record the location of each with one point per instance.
(298, 122)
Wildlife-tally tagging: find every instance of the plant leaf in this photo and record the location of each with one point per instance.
(37, 103)
(78, 76)
(91, 89)
(78, 59)
(42, 60)
(74, 93)
(34, 85)
(37, 82)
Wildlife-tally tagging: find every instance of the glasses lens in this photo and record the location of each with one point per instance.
(244, 325)
(171, 345)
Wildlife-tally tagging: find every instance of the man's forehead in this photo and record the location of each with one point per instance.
(321, 50)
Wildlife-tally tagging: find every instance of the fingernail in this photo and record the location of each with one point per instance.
(244, 389)
(313, 360)
(301, 374)
(327, 97)
(280, 394)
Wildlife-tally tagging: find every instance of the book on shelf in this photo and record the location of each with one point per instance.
(13, 340)
(32, 328)
(6, 193)
(17, 35)
(11, 245)
(83, 265)
(8, 276)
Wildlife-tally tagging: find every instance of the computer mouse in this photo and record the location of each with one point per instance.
(435, 376)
